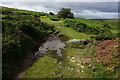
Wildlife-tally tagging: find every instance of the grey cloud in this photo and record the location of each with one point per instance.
(100, 6)
(59, 0)
(101, 9)
(96, 14)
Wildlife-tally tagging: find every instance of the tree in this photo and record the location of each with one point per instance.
(51, 13)
(65, 13)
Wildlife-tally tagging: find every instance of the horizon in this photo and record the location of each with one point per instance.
(87, 10)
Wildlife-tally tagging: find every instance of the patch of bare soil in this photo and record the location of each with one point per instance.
(27, 63)
(105, 50)
(29, 60)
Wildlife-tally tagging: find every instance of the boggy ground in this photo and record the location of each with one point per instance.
(94, 61)
(91, 62)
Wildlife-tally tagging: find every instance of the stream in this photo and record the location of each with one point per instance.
(53, 43)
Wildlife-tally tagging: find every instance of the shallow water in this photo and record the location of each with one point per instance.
(53, 44)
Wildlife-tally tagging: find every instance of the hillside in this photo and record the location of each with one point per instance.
(21, 31)
(112, 21)
(24, 32)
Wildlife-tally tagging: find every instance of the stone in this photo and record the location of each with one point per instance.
(83, 41)
(78, 64)
(73, 57)
(71, 68)
(82, 66)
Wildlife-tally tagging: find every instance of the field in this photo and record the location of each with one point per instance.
(26, 29)
(72, 61)
(112, 21)
(65, 30)
(65, 66)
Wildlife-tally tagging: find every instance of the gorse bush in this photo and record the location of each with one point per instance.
(21, 30)
(102, 30)
(106, 36)
(87, 27)
(53, 17)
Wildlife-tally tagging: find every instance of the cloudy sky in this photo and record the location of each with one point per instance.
(59, 0)
(87, 10)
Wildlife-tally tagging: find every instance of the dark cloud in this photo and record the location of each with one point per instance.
(101, 9)
(100, 6)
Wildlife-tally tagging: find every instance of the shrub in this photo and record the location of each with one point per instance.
(50, 13)
(87, 27)
(21, 30)
(105, 36)
(54, 17)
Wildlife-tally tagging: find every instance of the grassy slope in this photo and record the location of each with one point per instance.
(112, 21)
(47, 67)
(65, 30)
(74, 34)
(17, 39)
(68, 53)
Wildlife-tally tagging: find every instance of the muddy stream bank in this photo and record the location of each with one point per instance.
(53, 42)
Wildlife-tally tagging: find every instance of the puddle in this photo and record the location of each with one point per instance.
(51, 44)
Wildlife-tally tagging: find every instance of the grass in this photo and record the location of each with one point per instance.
(70, 65)
(47, 67)
(114, 31)
(49, 70)
(42, 68)
(65, 30)
(55, 23)
(74, 34)
(112, 21)
(67, 68)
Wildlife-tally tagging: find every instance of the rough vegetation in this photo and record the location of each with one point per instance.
(23, 29)
(101, 29)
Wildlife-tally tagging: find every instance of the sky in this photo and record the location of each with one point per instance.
(59, 0)
(89, 10)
